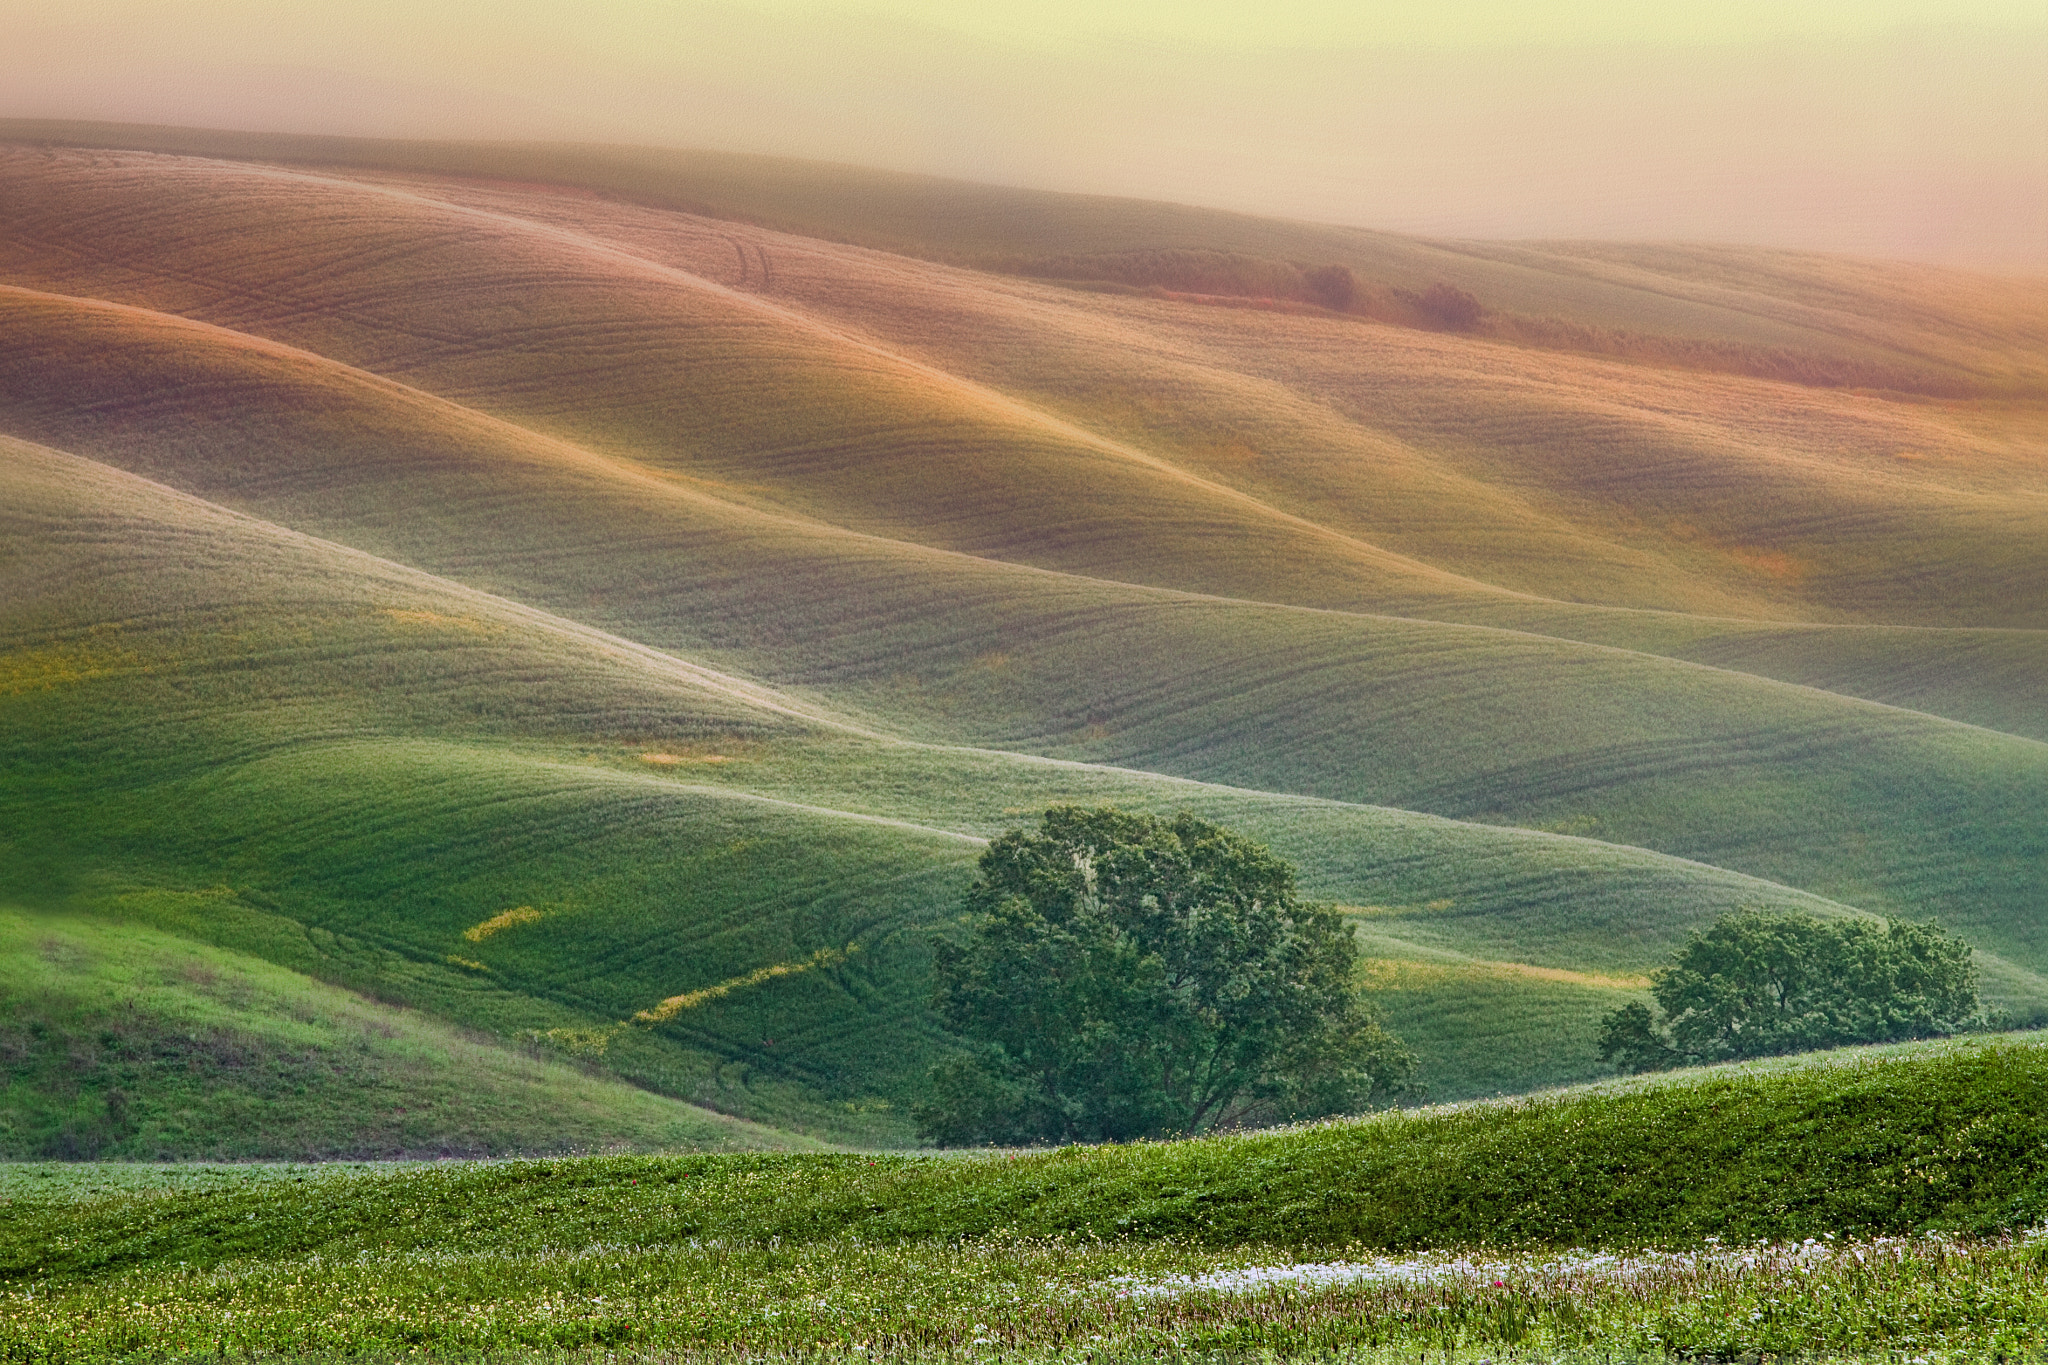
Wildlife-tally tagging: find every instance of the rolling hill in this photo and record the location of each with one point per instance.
(126, 1042)
(1958, 329)
(613, 628)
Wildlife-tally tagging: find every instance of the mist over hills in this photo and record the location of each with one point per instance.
(1883, 128)
(703, 554)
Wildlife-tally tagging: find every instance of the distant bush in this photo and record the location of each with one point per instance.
(1758, 985)
(1333, 286)
(1226, 275)
(1129, 977)
(1450, 306)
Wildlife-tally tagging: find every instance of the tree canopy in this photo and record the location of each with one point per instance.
(1121, 976)
(1334, 286)
(1757, 985)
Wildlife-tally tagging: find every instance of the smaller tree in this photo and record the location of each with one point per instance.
(1451, 306)
(1759, 984)
(1126, 977)
(1334, 286)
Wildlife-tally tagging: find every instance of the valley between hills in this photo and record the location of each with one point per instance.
(516, 648)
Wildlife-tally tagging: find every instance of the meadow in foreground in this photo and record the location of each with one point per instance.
(1868, 1203)
(1003, 1298)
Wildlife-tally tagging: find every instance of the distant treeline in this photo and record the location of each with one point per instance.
(1234, 279)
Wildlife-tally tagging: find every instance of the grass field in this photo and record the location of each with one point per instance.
(325, 751)
(1868, 1202)
(1251, 694)
(612, 629)
(124, 1042)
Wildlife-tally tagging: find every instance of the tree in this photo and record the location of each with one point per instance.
(1759, 984)
(1123, 977)
(1334, 286)
(1451, 306)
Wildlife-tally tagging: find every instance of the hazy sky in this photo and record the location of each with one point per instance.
(1336, 23)
(1889, 127)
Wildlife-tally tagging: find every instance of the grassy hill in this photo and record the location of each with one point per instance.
(614, 629)
(1275, 1241)
(1645, 478)
(1743, 1152)
(1379, 466)
(1473, 723)
(125, 1042)
(294, 750)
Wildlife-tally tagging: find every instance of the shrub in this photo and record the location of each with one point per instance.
(1450, 306)
(1333, 286)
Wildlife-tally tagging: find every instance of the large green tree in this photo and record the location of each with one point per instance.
(1119, 976)
(1757, 985)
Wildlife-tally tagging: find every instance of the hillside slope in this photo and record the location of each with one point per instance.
(126, 1042)
(1788, 301)
(1826, 1146)
(1594, 479)
(615, 629)
(294, 750)
(1782, 782)
(1375, 467)
(1870, 1206)
(555, 332)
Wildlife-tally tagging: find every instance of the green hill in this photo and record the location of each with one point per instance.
(1744, 1152)
(614, 629)
(125, 1042)
(1473, 723)
(1275, 1242)
(294, 750)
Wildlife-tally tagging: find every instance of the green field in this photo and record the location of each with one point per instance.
(519, 608)
(1864, 1204)
(124, 1042)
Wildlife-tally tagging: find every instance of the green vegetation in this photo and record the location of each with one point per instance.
(1148, 1246)
(118, 1041)
(1128, 977)
(296, 751)
(1757, 985)
(1951, 1140)
(1030, 1300)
